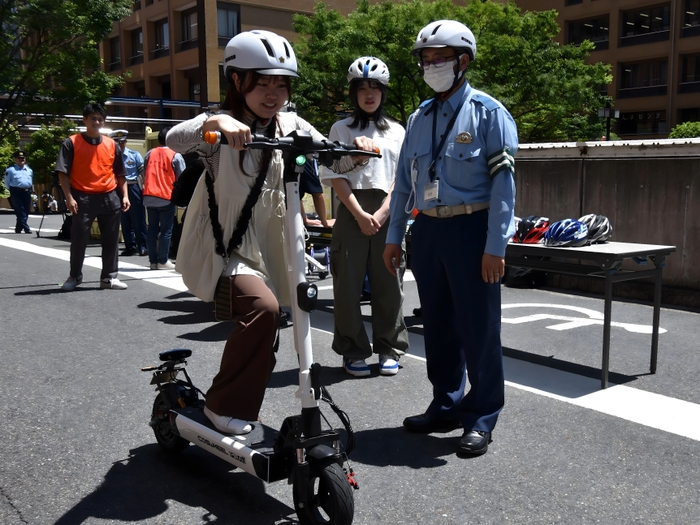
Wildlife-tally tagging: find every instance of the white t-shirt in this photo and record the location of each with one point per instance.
(379, 173)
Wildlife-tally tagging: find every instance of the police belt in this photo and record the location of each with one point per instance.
(444, 212)
(21, 189)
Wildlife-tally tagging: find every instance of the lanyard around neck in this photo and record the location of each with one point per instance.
(450, 125)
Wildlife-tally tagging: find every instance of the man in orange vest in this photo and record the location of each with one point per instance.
(91, 170)
(163, 167)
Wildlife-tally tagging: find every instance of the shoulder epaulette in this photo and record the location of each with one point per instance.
(487, 101)
(421, 108)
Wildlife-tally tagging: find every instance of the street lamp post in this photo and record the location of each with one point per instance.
(608, 113)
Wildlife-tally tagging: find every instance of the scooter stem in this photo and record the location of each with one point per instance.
(296, 247)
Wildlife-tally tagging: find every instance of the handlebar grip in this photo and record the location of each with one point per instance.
(214, 138)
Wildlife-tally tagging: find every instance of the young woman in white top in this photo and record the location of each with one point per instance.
(259, 65)
(364, 188)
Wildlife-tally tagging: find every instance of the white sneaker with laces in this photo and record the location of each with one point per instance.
(229, 425)
(167, 265)
(71, 283)
(356, 367)
(112, 284)
(388, 365)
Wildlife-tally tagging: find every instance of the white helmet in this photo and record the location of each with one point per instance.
(369, 68)
(446, 33)
(262, 51)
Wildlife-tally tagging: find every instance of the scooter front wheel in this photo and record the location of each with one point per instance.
(160, 421)
(329, 498)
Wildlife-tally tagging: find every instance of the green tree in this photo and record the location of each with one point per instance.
(8, 146)
(548, 88)
(687, 130)
(49, 56)
(44, 148)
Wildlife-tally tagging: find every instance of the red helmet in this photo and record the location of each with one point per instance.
(531, 229)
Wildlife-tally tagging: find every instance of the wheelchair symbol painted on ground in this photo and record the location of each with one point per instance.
(569, 322)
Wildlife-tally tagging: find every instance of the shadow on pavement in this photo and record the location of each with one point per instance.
(145, 484)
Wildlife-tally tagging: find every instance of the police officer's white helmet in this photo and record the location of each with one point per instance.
(446, 33)
(261, 51)
(369, 68)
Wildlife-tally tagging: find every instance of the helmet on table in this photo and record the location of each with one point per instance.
(446, 33)
(599, 227)
(261, 51)
(369, 68)
(567, 232)
(531, 229)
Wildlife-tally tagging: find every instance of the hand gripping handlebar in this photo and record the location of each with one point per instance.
(300, 142)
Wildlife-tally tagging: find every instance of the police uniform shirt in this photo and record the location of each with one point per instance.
(474, 165)
(133, 162)
(19, 177)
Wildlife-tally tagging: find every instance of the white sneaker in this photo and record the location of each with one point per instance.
(112, 284)
(388, 365)
(167, 265)
(357, 367)
(71, 283)
(229, 425)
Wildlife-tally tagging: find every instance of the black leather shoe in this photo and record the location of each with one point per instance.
(474, 443)
(128, 253)
(427, 423)
(143, 252)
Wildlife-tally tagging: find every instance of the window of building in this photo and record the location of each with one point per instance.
(137, 5)
(115, 53)
(227, 16)
(691, 18)
(688, 115)
(594, 29)
(643, 123)
(572, 2)
(162, 34)
(690, 74)
(136, 46)
(644, 79)
(641, 26)
(189, 29)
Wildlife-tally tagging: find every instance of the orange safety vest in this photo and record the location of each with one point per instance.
(160, 175)
(92, 170)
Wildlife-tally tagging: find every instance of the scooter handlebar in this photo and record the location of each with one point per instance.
(301, 141)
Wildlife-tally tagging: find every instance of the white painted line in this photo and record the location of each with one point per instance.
(645, 408)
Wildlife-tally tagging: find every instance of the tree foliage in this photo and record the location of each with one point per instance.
(686, 130)
(548, 88)
(49, 56)
(44, 147)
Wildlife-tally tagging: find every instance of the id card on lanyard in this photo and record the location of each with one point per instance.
(430, 190)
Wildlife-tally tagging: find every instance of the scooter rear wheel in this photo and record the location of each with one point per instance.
(329, 498)
(160, 421)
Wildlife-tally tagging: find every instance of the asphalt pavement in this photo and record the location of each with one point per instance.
(75, 446)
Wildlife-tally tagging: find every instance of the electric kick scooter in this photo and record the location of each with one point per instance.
(310, 458)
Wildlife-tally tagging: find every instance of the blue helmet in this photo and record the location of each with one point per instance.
(567, 232)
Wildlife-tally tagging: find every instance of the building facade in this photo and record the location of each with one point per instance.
(654, 48)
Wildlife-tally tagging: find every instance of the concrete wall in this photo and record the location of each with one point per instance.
(650, 191)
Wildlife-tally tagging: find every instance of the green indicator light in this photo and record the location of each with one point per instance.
(301, 160)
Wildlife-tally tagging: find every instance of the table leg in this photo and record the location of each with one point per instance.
(607, 314)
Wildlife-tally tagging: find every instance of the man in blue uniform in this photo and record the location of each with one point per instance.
(19, 179)
(456, 167)
(133, 222)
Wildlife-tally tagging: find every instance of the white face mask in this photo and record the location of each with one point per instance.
(440, 79)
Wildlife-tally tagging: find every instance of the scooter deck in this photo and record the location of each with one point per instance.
(253, 452)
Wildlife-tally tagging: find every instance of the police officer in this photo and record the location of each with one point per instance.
(18, 179)
(456, 167)
(133, 222)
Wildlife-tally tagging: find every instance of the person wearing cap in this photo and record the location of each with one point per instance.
(359, 234)
(456, 168)
(91, 171)
(133, 222)
(19, 180)
(242, 246)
